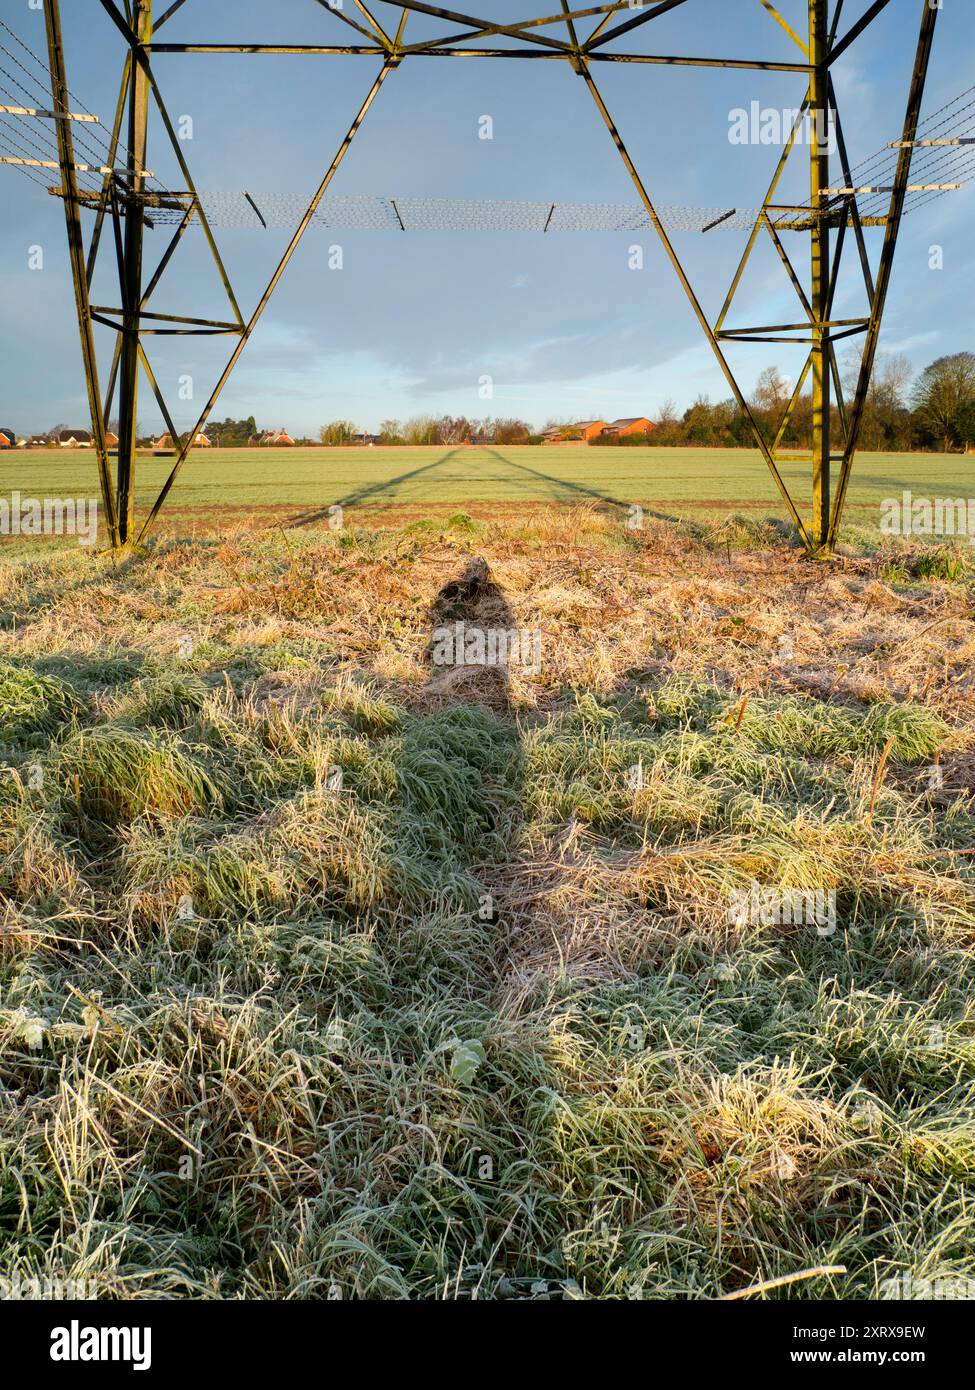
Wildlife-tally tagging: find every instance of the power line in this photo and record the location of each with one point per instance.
(83, 138)
(880, 166)
(29, 127)
(441, 214)
(30, 173)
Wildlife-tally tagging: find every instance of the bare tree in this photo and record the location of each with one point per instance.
(945, 391)
(421, 429)
(338, 432)
(508, 431)
(451, 430)
(771, 390)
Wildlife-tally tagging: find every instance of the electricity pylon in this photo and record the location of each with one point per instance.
(831, 219)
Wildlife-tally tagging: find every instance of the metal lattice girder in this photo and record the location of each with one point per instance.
(582, 35)
(76, 249)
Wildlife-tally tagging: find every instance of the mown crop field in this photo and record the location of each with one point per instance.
(326, 971)
(295, 486)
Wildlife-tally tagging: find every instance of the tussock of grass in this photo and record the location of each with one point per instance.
(457, 771)
(914, 735)
(808, 727)
(32, 704)
(365, 709)
(943, 562)
(113, 775)
(169, 699)
(36, 867)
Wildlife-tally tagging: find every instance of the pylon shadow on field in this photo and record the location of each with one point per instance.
(518, 476)
(374, 492)
(563, 489)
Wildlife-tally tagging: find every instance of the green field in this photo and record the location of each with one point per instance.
(675, 482)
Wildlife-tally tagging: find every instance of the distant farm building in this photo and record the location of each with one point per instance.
(585, 431)
(72, 439)
(273, 439)
(589, 429)
(111, 439)
(166, 443)
(580, 433)
(638, 424)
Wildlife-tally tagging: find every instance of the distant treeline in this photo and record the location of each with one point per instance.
(451, 429)
(935, 410)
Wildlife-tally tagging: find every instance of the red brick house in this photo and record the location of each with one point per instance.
(580, 433)
(638, 424)
(589, 429)
(273, 439)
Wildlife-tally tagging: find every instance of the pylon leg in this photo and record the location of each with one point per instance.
(131, 276)
(820, 267)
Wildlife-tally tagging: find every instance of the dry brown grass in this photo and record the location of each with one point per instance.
(668, 1098)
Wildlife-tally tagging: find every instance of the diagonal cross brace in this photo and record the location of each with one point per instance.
(255, 317)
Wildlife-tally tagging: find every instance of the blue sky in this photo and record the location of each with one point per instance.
(411, 324)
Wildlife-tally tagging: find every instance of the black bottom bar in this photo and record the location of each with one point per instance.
(199, 1340)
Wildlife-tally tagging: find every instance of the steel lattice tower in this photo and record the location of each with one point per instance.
(829, 221)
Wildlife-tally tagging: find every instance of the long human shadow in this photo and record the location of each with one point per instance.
(463, 616)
